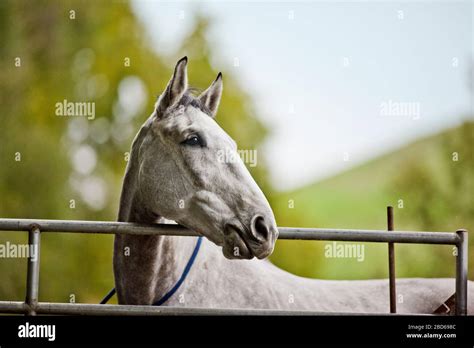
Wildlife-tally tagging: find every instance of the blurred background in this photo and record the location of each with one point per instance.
(352, 106)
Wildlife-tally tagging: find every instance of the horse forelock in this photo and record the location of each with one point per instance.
(190, 98)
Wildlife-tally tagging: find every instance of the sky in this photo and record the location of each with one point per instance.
(337, 83)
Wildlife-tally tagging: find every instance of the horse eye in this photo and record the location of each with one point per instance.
(193, 140)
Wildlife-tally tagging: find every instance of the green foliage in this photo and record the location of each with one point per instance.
(90, 57)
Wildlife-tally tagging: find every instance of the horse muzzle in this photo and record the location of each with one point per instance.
(245, 243)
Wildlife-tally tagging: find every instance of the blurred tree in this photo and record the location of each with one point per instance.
(59, 167)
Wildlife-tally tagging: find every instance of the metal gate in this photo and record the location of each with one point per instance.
(35, 228)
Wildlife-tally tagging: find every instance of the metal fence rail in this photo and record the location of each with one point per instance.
(31, 306)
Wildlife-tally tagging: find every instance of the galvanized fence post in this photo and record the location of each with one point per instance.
(32, 280)
(461, 273)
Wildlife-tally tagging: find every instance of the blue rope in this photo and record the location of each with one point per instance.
(175, 287)
(183, 276)
(108, 296)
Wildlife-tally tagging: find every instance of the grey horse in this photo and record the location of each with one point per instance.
(175, 173)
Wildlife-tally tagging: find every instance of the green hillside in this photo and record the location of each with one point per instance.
(429, 183)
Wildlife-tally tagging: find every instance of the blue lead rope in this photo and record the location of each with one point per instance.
(183, 276)
(175, 287)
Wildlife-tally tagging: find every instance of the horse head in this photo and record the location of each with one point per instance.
(183, 176)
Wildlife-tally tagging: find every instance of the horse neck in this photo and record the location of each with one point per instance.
(145, 266)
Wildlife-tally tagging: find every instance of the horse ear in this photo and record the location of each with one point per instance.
(175, 88)
(211, 97)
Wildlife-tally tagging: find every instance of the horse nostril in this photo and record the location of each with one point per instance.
(260, 228)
